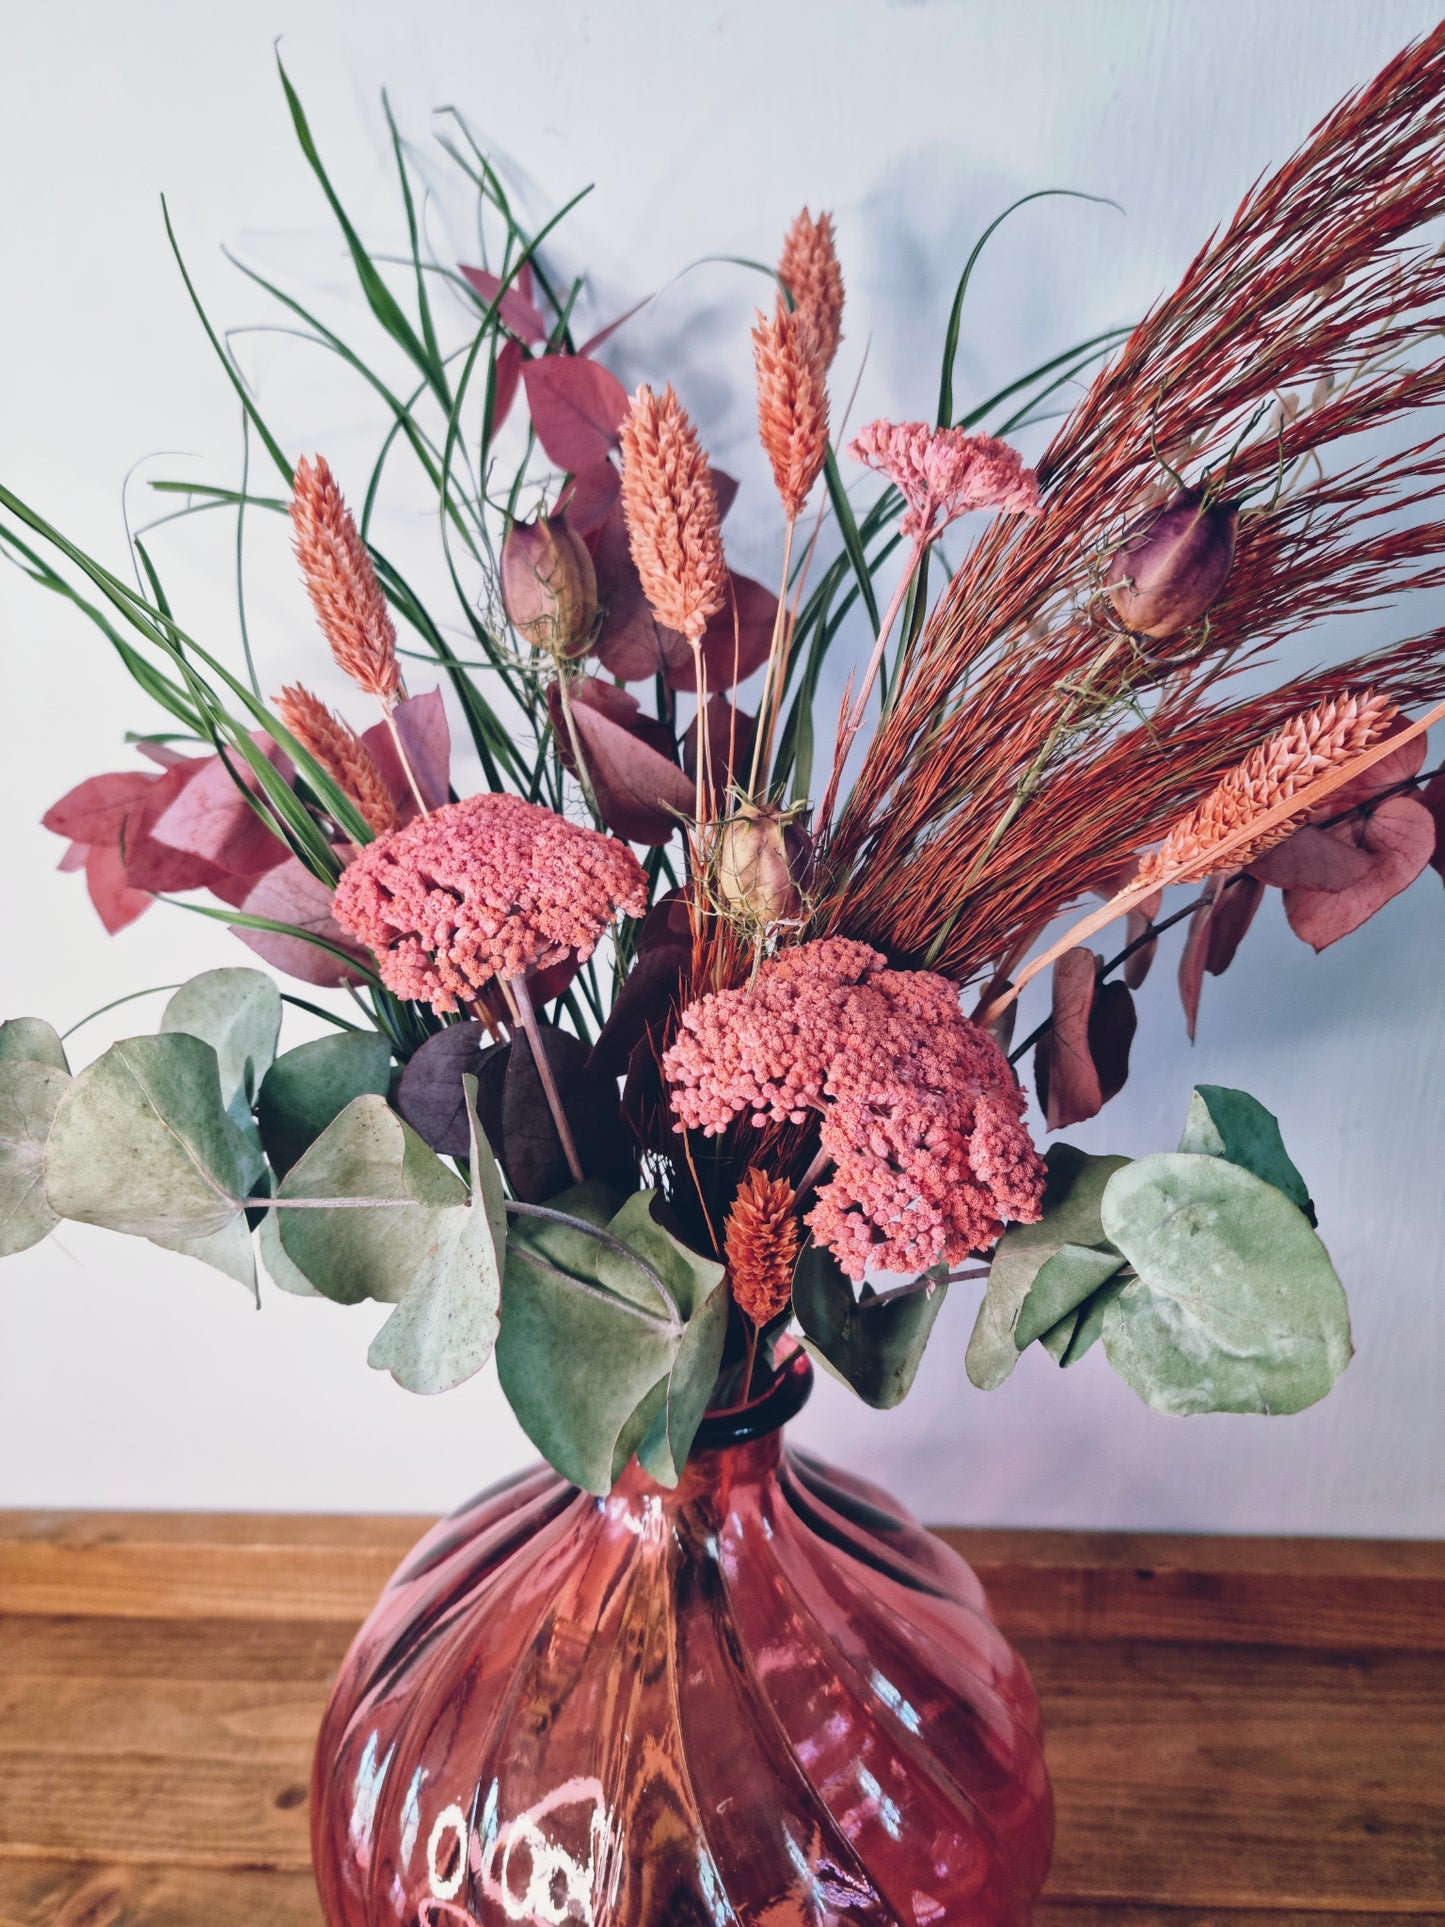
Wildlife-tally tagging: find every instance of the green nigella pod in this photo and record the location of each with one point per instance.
(549, 586)
(1172, 564)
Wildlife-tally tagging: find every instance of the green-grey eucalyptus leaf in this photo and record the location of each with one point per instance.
(238, 1013)
(30, 1040)
(668, 1440)
(1071, 1216)
(142, 1143)
(1060, 1286)
(1089, 1319)
(687, 1276)
(367, 1251)
(30, 1094)
(308, 1087)
(285, 1275)
(1231, 1124)
(1236, 1307)
(443, 1331)
(873, 1343)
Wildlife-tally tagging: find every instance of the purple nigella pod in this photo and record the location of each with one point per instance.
(1172, 564)
(549, 585)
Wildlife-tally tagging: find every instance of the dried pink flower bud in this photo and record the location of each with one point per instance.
(763, 864)
(1172, 564)
(549, 586)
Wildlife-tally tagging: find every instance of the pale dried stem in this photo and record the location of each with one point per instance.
(527, 1017)
(773, 675)
(403, 758)
(853, 719)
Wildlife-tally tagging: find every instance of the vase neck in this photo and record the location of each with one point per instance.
(732, 1449)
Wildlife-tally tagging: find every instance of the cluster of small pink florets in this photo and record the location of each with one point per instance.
(489, 887)
(920, 1113)
(945, 472)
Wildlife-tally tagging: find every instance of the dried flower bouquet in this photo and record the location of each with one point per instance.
(633, 1121)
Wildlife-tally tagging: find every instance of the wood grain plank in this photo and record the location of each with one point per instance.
(1307, 1592)
(49, 1893)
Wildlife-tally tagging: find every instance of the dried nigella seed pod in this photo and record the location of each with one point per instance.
(763, 864)
(1172, 564)
(549, 586)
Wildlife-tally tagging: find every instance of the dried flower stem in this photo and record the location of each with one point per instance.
(404, 759)
(776, 670)
(521, 996)
(1248, 833)
(852, 721)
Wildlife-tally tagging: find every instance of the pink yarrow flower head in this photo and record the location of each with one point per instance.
(920, 1113)
(489, 887)
(943, 472)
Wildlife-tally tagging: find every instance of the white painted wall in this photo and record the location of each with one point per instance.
(131, 1378)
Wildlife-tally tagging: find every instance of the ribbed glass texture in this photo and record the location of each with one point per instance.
(767, 1698)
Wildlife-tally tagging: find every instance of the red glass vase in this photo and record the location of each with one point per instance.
(766, 1698)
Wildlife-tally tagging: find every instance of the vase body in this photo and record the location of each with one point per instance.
(766, 1698)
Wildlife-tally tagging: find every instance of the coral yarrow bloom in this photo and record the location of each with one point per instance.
(920, 1113)
(490, 887)
(943, 472)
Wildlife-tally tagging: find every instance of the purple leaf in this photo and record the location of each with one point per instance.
(577, 408)
(430, 1096)
(652, 987)
(509, 373)
(1397, 838)
(530, 1149)
(730, 734)
(291, 894)
(1083, 1059)
(1433, 798)
(1233, 912)
(640, 789)
(517, 312)
(590, 498)
(736, 643)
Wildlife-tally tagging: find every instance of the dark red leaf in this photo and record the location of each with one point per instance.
(112, 896)
(628, 643)
(517, 312)
(651, 989)
(429, 1094)
(1433, 797)
(211, 819)
(1313, 859)
(1233, 913)
(421, 722)
(725, 488)
(163, 754)
(736, 643)
(1384, 775)
(1137, 967)
(510, 358)
(1083, 1059)
(530, 1149)
(150, 865)
(640, 789)
(645, 1101)
(94, 810)
(291, 894)
(730, 743)
(74, 858)
(589, 498)
(591, 345)
(1398, 838)
(577, 408)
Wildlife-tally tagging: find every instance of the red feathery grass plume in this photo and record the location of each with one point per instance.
(808, 268)
(1308, 746)
(792, 407)
(673, 526)
(1030, 748)
(342, 584)
(760, 1243)
(341, 753)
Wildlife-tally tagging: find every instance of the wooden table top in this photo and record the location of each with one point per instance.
(1242, 1732)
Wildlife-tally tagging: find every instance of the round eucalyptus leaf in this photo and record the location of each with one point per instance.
(30, 1040)
(1236, 1307)
(306, 1088)
(30, 1095)
(238, 1013)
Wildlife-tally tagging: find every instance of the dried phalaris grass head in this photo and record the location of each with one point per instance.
(1308, 747)
(341, 753)
(808, 268)
(342, 584)
(673, 527)
(792, 407)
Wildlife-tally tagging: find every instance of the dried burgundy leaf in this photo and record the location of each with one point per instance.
(1391, 770)
(1233, 913)
(1137, 967)
(1433, 798)
(640, 789)
(730, 743)
(590, 497)
(212, 819)
(1313, 859)
(645, 1102)
(151, 865)
(74, 858)
(291, 894)
(628, 643)
(1191, 964)
(594, 342)
(530, 1150)
(577, 408)
(516, 311)
(1083, 1059)
(736, 643)
(510, 358)
(422, 724)
(1398, 837)
(117, 903)
(94, 810)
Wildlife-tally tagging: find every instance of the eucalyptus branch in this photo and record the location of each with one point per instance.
(549, 1215)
